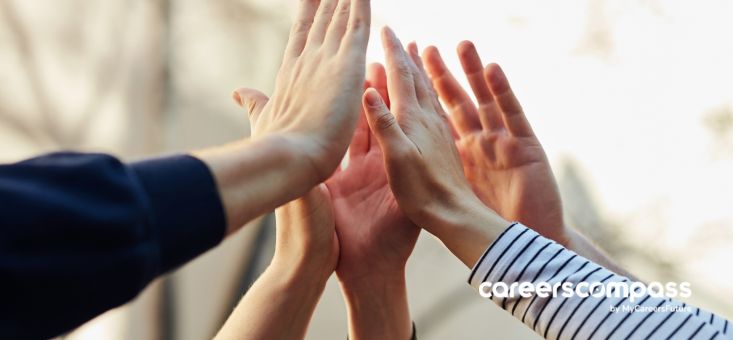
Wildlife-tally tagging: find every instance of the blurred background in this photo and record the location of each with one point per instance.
(633, 101)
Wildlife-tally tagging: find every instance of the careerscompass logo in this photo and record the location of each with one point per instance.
(633, 291)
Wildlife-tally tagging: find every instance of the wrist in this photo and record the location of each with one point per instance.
(254, 176)
(295, 155)
(375, 285)
(377, 307)
(302, 274)
(469, 229)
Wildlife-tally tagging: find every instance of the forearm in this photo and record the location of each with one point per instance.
(521, 256)
(467, 230)
(377, 308)
(278, 306)
(585, 247)
(128, 222)
(256, 176)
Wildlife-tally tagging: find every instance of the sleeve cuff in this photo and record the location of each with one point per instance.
(186, 210)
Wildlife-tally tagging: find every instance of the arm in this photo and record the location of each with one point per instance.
(89, 232)
(377, 308)
(92, 233)
(376, 239)
(281, 302)
(429, 184)
(503, 159)
(529, 257)
(301, 134)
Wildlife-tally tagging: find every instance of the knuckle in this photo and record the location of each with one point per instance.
(356, 24)
(302, 26)
(385, 120)
(344, 8)
(403, 71)
(328, 10)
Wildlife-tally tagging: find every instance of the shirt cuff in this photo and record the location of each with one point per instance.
(186, 211)
(479, 270)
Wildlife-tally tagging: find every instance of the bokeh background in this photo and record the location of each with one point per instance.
(633, 101)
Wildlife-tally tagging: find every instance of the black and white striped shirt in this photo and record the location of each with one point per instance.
(521, 255)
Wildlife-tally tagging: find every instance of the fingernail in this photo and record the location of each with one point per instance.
(373, 98)
(237, 98)
(497, 78)
(412, 48)
(391, 35)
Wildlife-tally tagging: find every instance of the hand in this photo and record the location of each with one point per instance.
(306, 254)
(377, 238)
(279, 305)
(423, 166)
(316, 99)
(300, 136)
(502, 158)
(306, 242)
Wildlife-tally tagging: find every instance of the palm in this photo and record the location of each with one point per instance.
(320, 197)
(374, 235)
(502, 158)
(309, 221)
(512, 175)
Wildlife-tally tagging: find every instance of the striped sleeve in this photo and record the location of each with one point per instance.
(520, 256)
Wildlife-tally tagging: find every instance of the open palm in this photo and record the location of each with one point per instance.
(375, 237)
(502, 158)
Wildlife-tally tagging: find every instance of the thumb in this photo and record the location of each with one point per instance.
(383, 123)
(253, 100)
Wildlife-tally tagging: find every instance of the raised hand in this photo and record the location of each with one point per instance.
(423, 166)
(315, 105)
(301, 134)
(502, 158)
(376, 238)
(306, 254)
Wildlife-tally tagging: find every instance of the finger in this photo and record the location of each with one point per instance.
(472, 66)
(322, 20)
(514, 119)
(377, 78)
(383, 124)
(337, 28)
(425, 93)
(357, 30)
(301, 27)
(253, 100)
(464, 114)
(360, 143)
(400, 82)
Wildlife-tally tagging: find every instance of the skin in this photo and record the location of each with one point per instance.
(298, 138)
(376, 238)
(502, 157)
(423, 165)
(280, 304)
(300, 135)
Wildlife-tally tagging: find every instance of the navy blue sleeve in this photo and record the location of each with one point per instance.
(83, 233)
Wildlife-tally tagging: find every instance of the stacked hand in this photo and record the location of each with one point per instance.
(410, 166)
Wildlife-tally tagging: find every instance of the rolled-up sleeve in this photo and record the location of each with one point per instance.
(83, 233)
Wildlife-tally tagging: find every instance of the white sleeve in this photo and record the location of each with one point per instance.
(521, 255)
